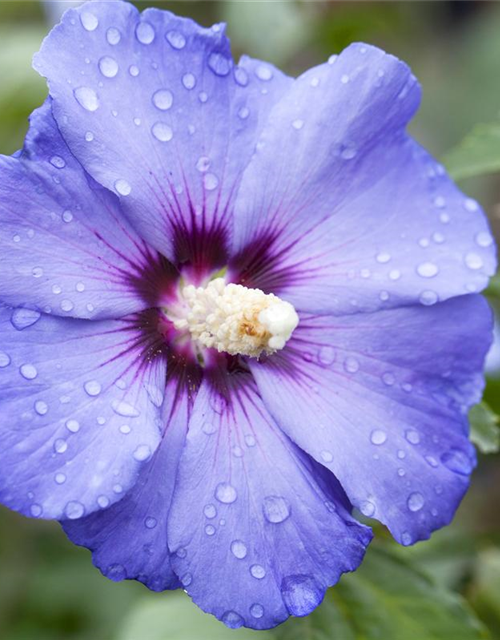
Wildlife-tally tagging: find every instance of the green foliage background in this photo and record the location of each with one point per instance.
(446, 588)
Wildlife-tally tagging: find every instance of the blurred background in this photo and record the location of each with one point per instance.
(49, 589)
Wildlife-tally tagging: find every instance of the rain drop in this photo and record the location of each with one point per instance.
(238, 549)
(87, 98)
(219, 64)
(163, 99)
(122, 187)
(258, 571)
(89, 21)
(275, 509)
(108, 66)
(28, 371)
(427, 270)
(378, 437)
(189, 81)
(162, 132)
(92, 388)
(415, 501)
(113, 36)
(145, 33)
(24, 318)
(225, 493)
(41, 407)
(142, 453)
(176, 39)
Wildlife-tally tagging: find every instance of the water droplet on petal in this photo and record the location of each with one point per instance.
(405, 538)
(162, 132)
(428, 298)
(219, 64)
(142, 453)
(232, 620)
(150, 523)
(89, 21)
(4, 360)
(133, 70)
(58, 162)
(301, 594)
(367, 508)
(176, 39)
(427, 270)
(113, 36)
(484, 239)
(36, 510)
(145, 33)
(89, 136)
(87, 98)
(60, 478)
(66, 305)
(257, 611)
(415, 501)
(163, 99)
(258, 571)
(473, 261)
(122, 187)
(41, 407)
(238, 549)
(108, 66)
(210, 181)
(210, 511)
(471, 205)
(297, 124)
(24, 318)
(125, 409)
(383, 257)
(457, 461)
(378, 437)
(326, 355)
(225, 493)
(73, 426)
(103, 502)
(28, 371)
(115, 572)
(92, 387)
(189, 81)
(326, 456)
(241, 76)
(351, 365)
(60, 445)
(186, 579)
(263, 72)
(412, 436)
(275, 509)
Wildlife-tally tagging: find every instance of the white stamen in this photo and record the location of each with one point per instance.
(237, 320)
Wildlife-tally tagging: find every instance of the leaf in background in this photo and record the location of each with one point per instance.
(485, 593)
(172, 616)
(387, 599)
(485, 432)
(477, 154)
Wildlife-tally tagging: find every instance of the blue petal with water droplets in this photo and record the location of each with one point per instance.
(381, 400)
(257, 529)
(80, 412)
(173, 120)
(66, 247)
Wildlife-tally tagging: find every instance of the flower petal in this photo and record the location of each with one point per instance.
(129, 540)
(381, 400)
(352, 214)
(66, 248)
(258, 530)
(173, 121)
(80, 409)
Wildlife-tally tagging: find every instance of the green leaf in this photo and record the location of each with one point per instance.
(485, 591)
(477, 154)
(387, 599)
(174, 617)
(485, 432)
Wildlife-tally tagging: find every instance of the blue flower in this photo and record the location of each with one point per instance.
(235, 307)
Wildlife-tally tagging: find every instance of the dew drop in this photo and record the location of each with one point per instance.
(125, 409)
(163, 99)
(41, 407)
(89, 21)
(405, 538)
(67, 216)
(457, 461)
(427, 270)
(473, 261)
(89, 136)
(428, 298)
(351, 365)
(142, 453)
(66, 305)
(367, 508)
(60, 445)
(37, 272)
(238, 549)
(176, 39)
(122, 187)
(92, 388)
(87, 98)
(36, 510)
(58, 162)
(103, 502)
(24, 318)
(263, 72)
(210, 511)
(257, 611)
(249, 440)
(4, 360)
(232, 620)
(186, 579)
(412, 436)
(301, 594)
(378, 437)
(210, 530)
(108, 66)
(326, 355)
(383, 257)
(258, 571)
(219, 64)
(115, 572)
(241, 76)
(113, 36)
(326, 456)
(471, 205)
(133, 70)
(28, 371)
(162, 132)
(210, 181)
(297, 124)
(60, 478)
(394, 274)
(415, 501)
(73, 426)
(275, 509)
(145, 33)
(125, 429)
(150, 523)
(225, 493)
(203, 164)
(243, 113)
(189, 81)
(484, 239)
(208, 428)
(388, 379)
